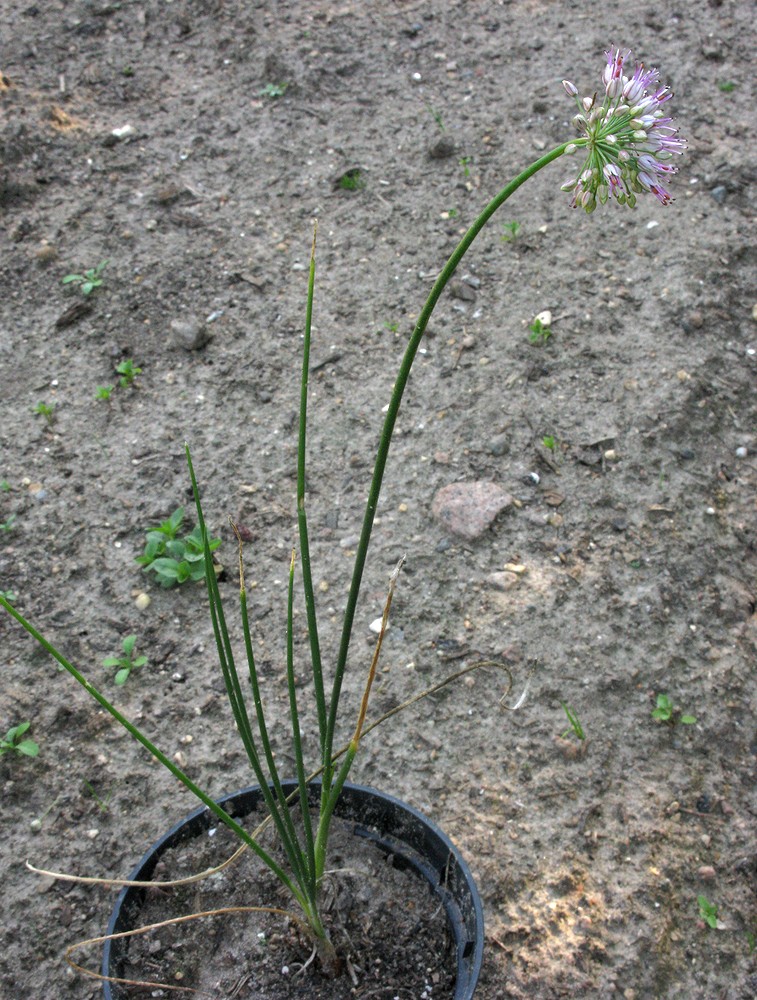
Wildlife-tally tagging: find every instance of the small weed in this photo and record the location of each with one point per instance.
(47, 411)
(102, 804)
(708, 911)
(510, 232)
(464, 163)
(540, 333)
(352, 180)
(104, 391)
(13, 741)
(273, 90)
(8, 595)
(4, 486)
(127, 662)
(173, 559)
(751, 942)
(665, 712)
(437, 116)
(549, 442)
(392, 327)
(727, 86)
(89, 281)
(451, 213)
(127, 71)
(128, 372)
(575, 723)
(7, 525)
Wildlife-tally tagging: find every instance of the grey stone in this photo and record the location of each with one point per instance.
(190, 333)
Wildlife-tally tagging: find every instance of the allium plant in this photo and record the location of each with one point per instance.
(628, 144)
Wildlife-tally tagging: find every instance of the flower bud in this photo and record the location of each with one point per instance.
(570, 88)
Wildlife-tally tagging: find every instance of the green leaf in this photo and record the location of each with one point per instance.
(688, 720)
(128, 644)
(122, 675)
(19, 730)
(139, 662)
(175, 520)
(112, 661)
(166, 567)
(27, 747)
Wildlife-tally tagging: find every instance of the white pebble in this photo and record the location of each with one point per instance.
(741, 452)
(375, 626)
(142, 601)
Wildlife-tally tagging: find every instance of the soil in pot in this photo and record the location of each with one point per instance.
(388, 927)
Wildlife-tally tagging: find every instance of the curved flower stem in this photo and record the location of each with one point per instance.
(386, 433)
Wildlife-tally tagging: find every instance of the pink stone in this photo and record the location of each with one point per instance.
(467, 509)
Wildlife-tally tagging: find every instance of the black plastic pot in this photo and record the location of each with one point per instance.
(402, 831)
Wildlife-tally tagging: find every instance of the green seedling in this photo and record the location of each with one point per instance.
(273, 90)
(451, 213)
(8, 524)
(665, 712)
(47, 411)
(89, 281)
(102, 804)
(5, 486)
(104, 391)
(464, 163)
(8, 595)
(437, 116)
(14, 742)
(352, 180)
(540, 333)
(392, 327)
(172, 559)
(549, 442)
(727, 86)
(575, 723)
(708, 911)
(128, 372)
(127, 662)
(510, 232)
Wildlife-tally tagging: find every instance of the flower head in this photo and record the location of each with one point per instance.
(628, 139)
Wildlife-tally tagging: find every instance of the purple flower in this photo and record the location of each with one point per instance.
(628, 139)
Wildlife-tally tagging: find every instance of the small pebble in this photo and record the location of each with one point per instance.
(190, 333)
(375, 626)
(142, 601)
(741, 452)
(499, 445)
(706, 872)
(125, 132)
(719, 194)
(93, 833)
(36, 825)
